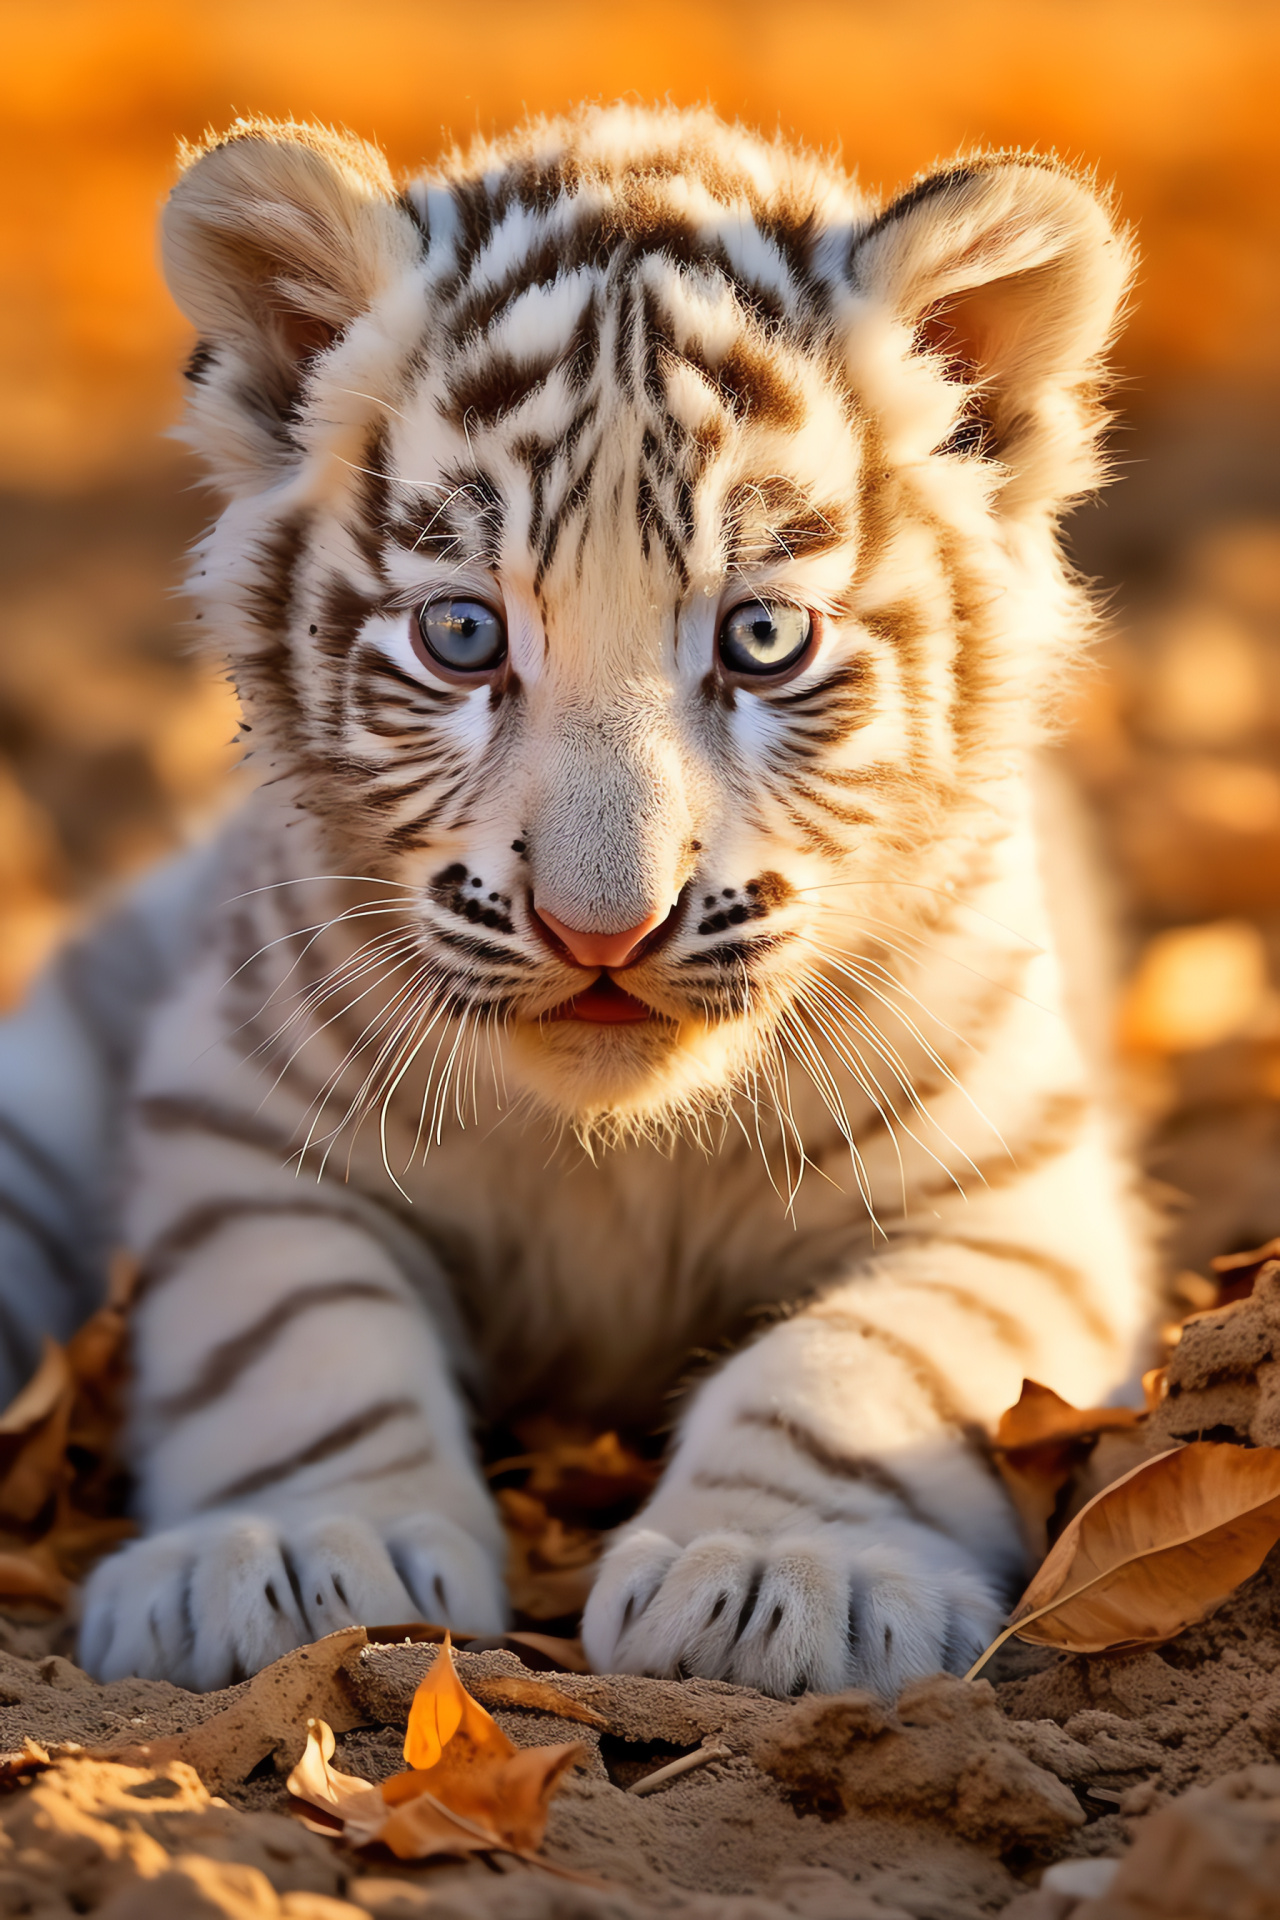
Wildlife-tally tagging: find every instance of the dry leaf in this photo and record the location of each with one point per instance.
(575, 1486)
(1040, 1443)
(1154, 1552)
(550, 1566)
(358, 1804)
(62, 1487)
(441, 1708)
(512, 1690)
(467, 1790)
(1155, 1385)
(1043, 1418)
(309, 1684)
(1237, 1272)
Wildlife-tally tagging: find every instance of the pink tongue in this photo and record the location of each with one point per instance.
(605, 1005)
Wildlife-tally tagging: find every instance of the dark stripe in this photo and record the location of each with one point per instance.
(41, 1162)
(404, 1463)
(58, 1253)
(229, 1359)
(1054, 1133)
(926, 1374)
(843, 1466)
(358, 1427)
(1008, 1329)
(16, 1345)
(189, 1113)
(747, 1483)
(1068, 1281)
(202, 1223)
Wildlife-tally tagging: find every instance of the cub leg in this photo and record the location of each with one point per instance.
(302, 1452)
(831, 1515)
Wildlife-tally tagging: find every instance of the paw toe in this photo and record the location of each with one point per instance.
(344, 1575)
(631, 1575)
(815, 1611)
(452, 1581)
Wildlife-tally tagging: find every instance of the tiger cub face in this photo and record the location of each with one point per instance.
(640, 552)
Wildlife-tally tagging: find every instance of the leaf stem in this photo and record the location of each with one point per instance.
(495, 1844)
(995, 1646)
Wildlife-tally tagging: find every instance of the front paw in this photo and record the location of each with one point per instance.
(208, 1603)
(816, 1610)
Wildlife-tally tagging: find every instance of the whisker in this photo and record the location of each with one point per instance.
(845, 1011)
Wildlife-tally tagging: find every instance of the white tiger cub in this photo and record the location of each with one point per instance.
(641, 581)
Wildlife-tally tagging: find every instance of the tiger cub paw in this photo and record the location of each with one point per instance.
(208, 1603)
(816, 1610)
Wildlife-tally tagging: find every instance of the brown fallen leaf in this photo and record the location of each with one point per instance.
(1154, 1552)
(512, 1690)
(575, 1485)
(62, 1486)
(269, 1718)
(1236, 1273)
(33, 1438)
(467, 1788)
(1040, 1444)
(550, 1565)
(20, 1766)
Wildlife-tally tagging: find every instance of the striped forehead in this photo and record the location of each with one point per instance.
(642, 380)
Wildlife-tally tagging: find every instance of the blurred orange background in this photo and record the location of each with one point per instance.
(114, 741)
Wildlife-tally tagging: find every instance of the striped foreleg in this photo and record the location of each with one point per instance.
(832, 1515)
(301, 1450)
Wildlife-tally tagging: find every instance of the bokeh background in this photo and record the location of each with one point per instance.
(114, 740)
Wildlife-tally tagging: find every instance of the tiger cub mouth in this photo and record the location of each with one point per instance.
(604, 1004)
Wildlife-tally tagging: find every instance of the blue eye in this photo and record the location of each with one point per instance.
(764, 636)
(462, 635)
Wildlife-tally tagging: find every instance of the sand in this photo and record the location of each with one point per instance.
(949, 1806)
(1144, 1786)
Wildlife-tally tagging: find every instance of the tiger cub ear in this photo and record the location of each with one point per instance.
(1009, 275)
(276, 237)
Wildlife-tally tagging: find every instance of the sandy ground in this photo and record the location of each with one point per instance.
(948, 1807)
(1055, 1787)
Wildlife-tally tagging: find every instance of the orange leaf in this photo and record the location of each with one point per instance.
(504, 1797)
(1154, 1552)
(31, 1576)
(1042, 1417)
(441, 1708)
(1039, 1444)
(355, 1802)
(479, 1793)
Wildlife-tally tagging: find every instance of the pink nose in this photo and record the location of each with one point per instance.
(600, 949)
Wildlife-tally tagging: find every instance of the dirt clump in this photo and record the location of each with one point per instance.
(943, 1753)
(1214, 1853)
(1223, 1377)
(85, 1835)
(1174, 1717)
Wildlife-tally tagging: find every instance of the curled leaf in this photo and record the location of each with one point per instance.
(467, 1788)
(441, 1708)
(356, 1803)
(1154, 1552)
(1042, 1418)
(573, 1486)
(1040, 1443)
(62, 1491)
(501, 1799)
(539, 1696)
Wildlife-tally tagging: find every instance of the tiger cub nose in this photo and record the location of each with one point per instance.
(599, 949)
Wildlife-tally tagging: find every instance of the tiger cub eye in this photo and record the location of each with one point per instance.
(764, 637)
(461, 634)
